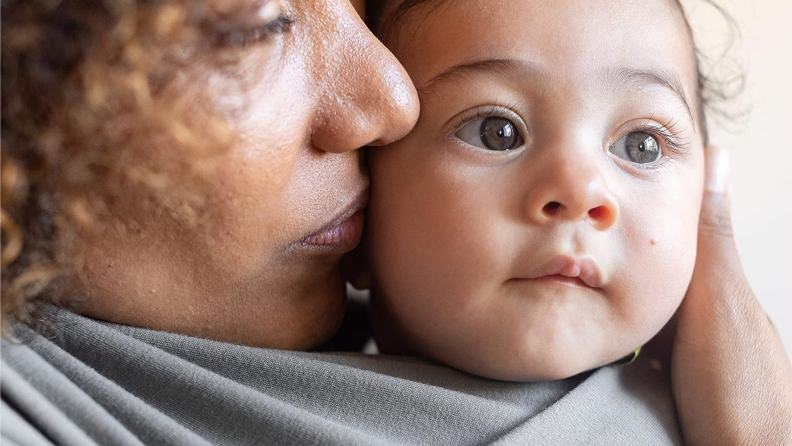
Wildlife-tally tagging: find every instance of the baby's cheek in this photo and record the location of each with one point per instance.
(447, 251)
(655, 271)
(422, 236)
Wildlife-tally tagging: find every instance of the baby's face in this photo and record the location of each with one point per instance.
(541, 218)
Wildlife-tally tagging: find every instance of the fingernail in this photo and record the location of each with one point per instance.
(718, 170)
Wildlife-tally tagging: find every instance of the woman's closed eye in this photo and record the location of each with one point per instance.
(246, 22)
(241, 38)
(246, 36)
(495, 133)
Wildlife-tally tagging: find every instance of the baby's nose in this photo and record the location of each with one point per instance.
(574, 191)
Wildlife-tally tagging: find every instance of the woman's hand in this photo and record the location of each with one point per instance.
(731, 378)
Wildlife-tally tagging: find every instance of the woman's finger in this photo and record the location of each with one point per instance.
(730, 375)
(716, 237)
(718, 268)
(716, 207)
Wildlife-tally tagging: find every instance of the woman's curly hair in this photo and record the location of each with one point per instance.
(97, 99)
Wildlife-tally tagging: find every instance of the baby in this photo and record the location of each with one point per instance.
(541, 218)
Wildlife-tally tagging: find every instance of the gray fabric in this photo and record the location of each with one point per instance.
(16, 431)
(94, 382)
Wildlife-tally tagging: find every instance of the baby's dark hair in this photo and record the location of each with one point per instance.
(712, 90)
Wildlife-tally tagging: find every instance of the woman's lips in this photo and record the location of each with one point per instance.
(344, 231)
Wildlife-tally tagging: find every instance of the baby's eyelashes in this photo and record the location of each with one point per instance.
(491, 133)
(637, 147)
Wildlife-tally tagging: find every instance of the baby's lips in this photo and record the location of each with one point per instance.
(590, 273)
(581, 267)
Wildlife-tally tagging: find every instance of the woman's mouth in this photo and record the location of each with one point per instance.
(343, 233)
(347, 232)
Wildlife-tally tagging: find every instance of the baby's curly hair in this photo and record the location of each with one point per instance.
(98, 98)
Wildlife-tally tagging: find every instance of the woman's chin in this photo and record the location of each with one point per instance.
(319, 321)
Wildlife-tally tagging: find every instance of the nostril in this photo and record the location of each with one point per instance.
(551, 208)
(599, 213)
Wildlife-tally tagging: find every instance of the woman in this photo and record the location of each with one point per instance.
(239, 262)
(193, 169)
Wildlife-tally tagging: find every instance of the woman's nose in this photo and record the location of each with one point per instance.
(368, 97)
(573, 189)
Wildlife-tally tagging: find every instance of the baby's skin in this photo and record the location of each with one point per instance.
(541, 218)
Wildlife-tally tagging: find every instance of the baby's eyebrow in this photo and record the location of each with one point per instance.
(621, 77)
(614, 78)
(485, 65)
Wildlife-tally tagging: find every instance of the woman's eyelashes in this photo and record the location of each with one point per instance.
(495, 133)
(237, 38)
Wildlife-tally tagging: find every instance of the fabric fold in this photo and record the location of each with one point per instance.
(113, 384)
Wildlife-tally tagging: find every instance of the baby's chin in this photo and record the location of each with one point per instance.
(544, 372)
(526, 338)
(534, 364)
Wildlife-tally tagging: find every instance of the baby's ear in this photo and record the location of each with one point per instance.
(355, 268)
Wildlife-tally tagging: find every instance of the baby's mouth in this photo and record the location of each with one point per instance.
(574, 282)
(575, 271)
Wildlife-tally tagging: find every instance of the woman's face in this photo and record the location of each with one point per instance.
(540, 220)
(262, 265)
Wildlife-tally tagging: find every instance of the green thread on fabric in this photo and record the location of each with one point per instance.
(629, 359)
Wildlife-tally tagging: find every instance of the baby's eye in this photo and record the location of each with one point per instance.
(638, 147)
(491, 133)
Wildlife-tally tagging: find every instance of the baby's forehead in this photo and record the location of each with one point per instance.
(569, 41)
(383, 14)
(617, 23)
